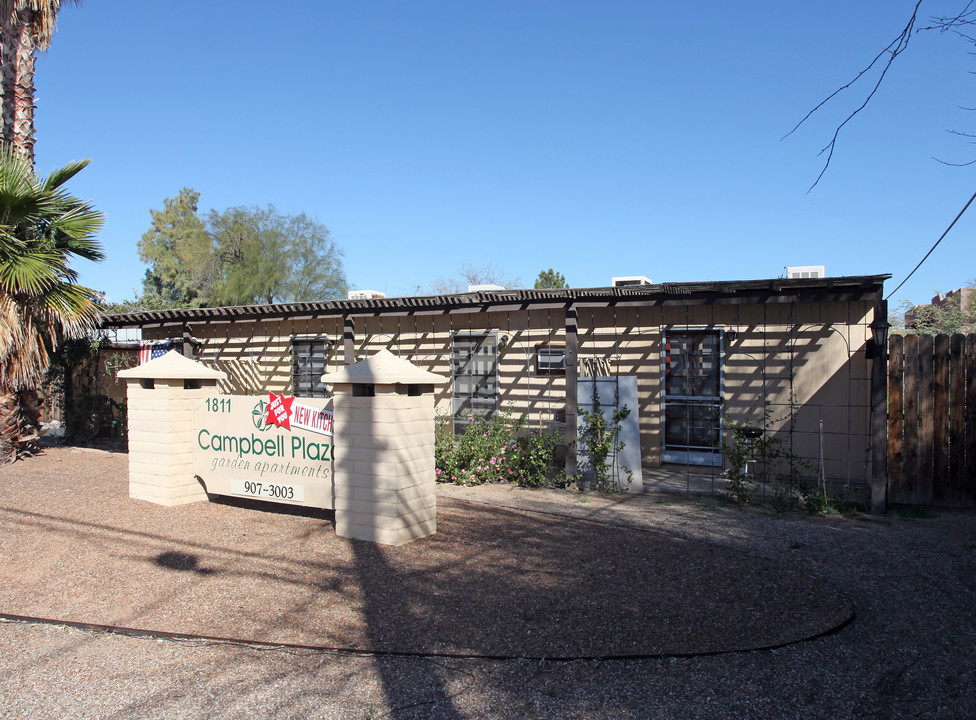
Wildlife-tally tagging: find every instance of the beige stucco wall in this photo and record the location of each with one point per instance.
(819, 345)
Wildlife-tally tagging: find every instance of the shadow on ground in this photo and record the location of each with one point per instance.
(491, 582)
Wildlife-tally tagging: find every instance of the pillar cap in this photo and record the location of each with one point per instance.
(383, 368)
(172, 366)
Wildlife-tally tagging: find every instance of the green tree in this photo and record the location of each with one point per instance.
(42, 228)
(316, 262)
(550, 279)
(241, 256)
(267, 257)
(26, 27)
(180, 254)
(252, 254)
(142, 303)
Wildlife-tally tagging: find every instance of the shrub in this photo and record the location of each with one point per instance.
(533, 464)
(494, 449)
(790, 475)
(749, 443)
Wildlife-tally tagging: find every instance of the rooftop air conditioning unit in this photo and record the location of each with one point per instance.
(806, 271)
(628, 280)
(484, 288)
(365, 294)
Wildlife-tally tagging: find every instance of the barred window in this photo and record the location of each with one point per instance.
(309, 358)
(475, 377)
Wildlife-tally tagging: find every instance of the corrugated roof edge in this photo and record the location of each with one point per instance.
(853, 285)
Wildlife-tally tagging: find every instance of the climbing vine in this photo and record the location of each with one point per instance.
(78, 382)
(599, 441)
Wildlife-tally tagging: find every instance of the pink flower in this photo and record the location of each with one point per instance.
(493, 461)
(510, 472)
(463, 472)
(438, 472)
(454, 478)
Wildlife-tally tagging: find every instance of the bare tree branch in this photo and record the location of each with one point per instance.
(952, 23)
(469, 274)
(946, 162)
(895, 48)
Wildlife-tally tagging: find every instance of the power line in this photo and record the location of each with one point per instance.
(933, 247)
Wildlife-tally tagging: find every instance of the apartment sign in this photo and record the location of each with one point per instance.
(272, 447)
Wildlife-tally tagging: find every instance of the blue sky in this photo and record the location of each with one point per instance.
(597, 138)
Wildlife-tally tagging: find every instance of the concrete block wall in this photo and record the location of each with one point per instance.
(384, 466)
(161, 440)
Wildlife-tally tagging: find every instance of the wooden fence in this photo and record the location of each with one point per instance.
(932, 420)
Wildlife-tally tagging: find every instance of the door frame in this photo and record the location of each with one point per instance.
(689, 454)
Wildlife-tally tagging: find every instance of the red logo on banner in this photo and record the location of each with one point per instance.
(279, 410)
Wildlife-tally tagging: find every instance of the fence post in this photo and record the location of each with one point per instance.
(899, 486)
(879, 420)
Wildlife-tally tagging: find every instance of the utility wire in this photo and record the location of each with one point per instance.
(933, 247)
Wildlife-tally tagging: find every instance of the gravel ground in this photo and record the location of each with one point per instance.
(908, 653)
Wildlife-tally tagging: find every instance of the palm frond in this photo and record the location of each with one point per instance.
(68, 306)
(40, 19)
(60, 176)
(28, 358)
(75, 228)
(31, 273)
(42, 227)
(9, 243)
(10, 327)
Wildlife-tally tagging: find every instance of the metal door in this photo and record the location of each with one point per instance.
(692, 396)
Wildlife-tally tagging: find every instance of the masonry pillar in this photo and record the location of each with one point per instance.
(385, 488)
(161, 396)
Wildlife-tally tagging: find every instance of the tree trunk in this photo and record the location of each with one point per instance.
(20, 425)
(17, 55)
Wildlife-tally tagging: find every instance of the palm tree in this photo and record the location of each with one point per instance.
(26, 26)
(42, 228)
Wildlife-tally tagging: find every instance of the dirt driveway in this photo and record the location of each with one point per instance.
(459, 623)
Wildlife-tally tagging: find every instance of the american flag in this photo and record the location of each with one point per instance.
(152, 350)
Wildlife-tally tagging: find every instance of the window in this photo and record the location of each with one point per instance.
(550, 360)
(475, 377)
(309, 358)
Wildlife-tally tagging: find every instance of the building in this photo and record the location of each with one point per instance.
(962, 299)
(698, 352)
